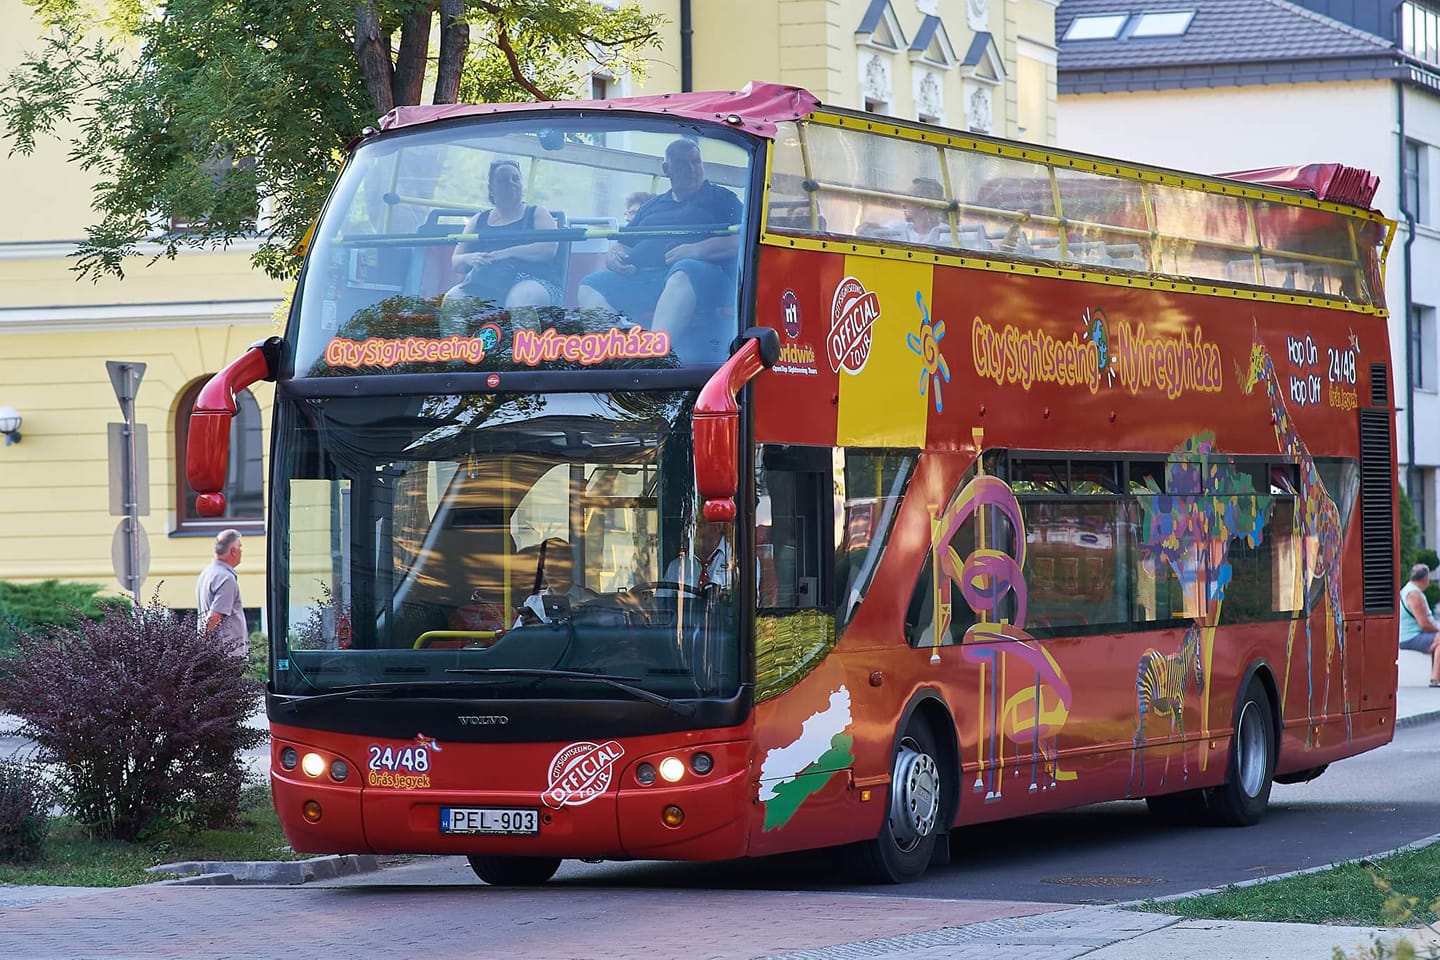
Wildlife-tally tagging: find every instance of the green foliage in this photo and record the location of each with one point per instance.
(27, 608)
(1345, 894)
(24, 811)
(214, 110)
(71, 856)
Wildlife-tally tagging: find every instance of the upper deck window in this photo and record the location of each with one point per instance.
(886, 188)
(562, 242)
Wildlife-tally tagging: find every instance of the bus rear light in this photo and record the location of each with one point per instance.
(702, 763)
(672, 816)
(645, 774)
(339, 770)
(672, 769)
(289, 758)
(313, 764)
(311, 811)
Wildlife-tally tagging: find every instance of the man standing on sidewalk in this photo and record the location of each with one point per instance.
(217, 596)
(1418, 630)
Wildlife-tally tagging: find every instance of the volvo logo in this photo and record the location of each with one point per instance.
(486, 721)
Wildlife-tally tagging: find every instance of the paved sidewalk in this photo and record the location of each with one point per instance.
(48, 923)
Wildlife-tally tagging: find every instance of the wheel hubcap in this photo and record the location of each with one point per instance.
(1250, 750)
(915, 797)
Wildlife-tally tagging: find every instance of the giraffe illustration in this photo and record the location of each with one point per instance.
(1319, 523)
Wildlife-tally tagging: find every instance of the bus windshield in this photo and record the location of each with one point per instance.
(568, 241)
(468, 538)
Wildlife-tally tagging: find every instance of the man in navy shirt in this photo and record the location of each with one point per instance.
(672, 273)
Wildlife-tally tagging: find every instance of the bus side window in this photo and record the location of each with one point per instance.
(794, 519)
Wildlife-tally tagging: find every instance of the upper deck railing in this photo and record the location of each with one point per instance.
(879, 183)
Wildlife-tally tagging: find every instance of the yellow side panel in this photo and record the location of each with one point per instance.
(881, 404)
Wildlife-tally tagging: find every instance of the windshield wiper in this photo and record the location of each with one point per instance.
(375, 691)
(619, 683)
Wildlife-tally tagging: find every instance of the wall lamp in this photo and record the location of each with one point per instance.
(10, 420)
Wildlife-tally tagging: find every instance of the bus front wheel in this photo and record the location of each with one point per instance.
(1241, 799)
(514, 871)
(908, 836)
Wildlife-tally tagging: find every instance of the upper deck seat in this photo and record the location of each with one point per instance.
(430, 271)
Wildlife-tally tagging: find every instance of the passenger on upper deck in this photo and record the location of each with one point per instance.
(670, 273)
(634, 202)
(923, 221)
(497, 269)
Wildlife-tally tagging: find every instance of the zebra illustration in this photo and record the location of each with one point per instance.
(1160, 683)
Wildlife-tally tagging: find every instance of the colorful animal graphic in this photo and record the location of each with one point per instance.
(1036, 711)
(1320, 539)
(1160, 685)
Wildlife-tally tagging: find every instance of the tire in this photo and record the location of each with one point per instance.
(1240, 801)
(1182, 809)
(514, 871)
(918, 798)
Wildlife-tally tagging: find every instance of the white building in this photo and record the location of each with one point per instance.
(1225, 85)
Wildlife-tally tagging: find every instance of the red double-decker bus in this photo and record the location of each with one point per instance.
(867, 479)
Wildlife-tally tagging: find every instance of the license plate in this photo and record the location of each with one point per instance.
(489, 820)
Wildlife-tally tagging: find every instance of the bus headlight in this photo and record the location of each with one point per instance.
(313, 764)
(672, 769)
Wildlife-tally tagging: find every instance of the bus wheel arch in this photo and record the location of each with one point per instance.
(1250, 765)
(922, 799)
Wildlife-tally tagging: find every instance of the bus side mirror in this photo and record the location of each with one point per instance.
(207, 449)
(716, 423)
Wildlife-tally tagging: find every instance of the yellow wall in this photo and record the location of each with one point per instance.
(184, 318)
(813, 44)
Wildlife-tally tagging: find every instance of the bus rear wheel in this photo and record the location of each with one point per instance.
(1241, 799)
(514, 871)
(908, 836)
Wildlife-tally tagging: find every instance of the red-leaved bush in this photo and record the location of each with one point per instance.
(24, 811)
(143, 719)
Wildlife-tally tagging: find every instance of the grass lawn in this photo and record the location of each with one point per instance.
(69, 858)
(1347, 894)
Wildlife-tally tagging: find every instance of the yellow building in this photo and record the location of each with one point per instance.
(183, 318)
(982, 65)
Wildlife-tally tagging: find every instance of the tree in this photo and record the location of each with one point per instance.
(196, 116)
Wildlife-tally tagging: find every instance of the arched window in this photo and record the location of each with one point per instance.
(245, 485)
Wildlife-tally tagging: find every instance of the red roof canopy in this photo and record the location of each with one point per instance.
(1332, 182)
(756, 108)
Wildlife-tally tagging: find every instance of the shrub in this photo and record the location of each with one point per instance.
(26, 608)
(143, 718)
(24, 811)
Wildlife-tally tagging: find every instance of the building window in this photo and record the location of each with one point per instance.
(1420, 31)
(1162, 24)
(1416, 181)
(1422, 348)
(599, 87)
(1105, 27)
(245, 485)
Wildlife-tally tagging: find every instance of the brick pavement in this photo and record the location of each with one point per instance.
(553, 923)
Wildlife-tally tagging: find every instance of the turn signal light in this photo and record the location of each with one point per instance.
(671, 816)
(311, 810)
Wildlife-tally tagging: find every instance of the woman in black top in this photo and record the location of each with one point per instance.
(496, 268)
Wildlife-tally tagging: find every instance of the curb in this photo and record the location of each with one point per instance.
(1417, 719)
(201, 873)
(1257, 881)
